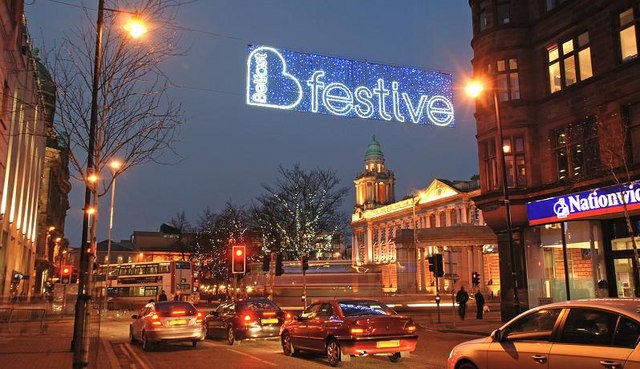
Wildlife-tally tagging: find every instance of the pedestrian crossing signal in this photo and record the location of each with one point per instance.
(65, 274)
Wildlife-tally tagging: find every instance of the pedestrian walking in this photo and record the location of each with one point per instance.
(479, 304)
(461, 298)
(163, 296)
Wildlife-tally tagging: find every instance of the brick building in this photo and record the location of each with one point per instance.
(565, 74)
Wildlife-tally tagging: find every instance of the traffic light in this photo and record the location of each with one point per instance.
(65, 274)
(305, 262)
(239, 262)
(279, 268)
(475, 278)
(266, 262)
(435, 265)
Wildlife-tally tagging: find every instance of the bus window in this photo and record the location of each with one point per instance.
(183, 265)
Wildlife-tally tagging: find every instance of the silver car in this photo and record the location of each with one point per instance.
(167, 321)
(583, 334)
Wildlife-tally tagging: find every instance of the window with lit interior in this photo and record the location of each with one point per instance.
(569, 62)
(576, 150)
(507, 79)
(628, 34)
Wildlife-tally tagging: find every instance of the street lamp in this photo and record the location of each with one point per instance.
(115, 166)
(80, 342)
(474, 89)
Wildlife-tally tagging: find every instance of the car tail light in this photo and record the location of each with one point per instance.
(199, 317)
(178, 312)
(410, 327)
(268, 313)
(288, 317)
(155, 320)
(248, 319)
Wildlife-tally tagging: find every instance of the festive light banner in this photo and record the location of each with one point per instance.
(284, 79)
(599, 201)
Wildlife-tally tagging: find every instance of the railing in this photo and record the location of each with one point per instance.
(23, 319)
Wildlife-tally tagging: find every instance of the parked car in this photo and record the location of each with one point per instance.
(344, 328)
(167, 321)
(254, 317)
(585, 334)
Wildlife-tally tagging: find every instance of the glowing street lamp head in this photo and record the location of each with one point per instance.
(92, 178)
(115, 165)
(135, 28)
(474, 88)
(91, 211)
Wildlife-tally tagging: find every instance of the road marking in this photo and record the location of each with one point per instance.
(253, 357)
(137, 357)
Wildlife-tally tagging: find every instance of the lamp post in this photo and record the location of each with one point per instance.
(115, 167)
(474, 89)
(79, 343)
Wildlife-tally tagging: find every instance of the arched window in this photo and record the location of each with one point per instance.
(454, 216)
(443, 219)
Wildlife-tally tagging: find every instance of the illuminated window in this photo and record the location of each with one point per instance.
(576, 150)
(569, 62)
(507, 80)
(490, 164)
(515, 162)
(627, 35)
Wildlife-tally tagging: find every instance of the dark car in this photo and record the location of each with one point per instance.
(249, 318)
(166, 321)
(345, 328)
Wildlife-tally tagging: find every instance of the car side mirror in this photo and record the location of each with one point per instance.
(215, 313)
(134, 316)
(496, 335)
(298, 318)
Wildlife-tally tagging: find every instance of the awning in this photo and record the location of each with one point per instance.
(457, 235)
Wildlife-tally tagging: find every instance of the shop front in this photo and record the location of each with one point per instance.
(580, 245)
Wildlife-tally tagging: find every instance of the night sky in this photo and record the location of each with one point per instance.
(229, 149)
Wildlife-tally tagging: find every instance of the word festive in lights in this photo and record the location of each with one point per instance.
(600, 201)
(285, 79)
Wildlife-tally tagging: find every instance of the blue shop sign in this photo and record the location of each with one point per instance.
(599, 201)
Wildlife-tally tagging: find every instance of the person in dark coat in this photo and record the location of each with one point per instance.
(461, 298)
(163, 296)
(479, 304)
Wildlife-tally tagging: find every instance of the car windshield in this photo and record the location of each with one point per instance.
(361, 308)
(258, 305)
(175, 308)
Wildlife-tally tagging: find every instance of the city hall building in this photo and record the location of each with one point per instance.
(445, 220)
(565, 75)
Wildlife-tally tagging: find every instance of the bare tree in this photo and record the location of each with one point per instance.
(137, 119)
(617, 152)
(301, 213)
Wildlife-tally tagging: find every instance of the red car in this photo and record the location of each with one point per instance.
(345, 328)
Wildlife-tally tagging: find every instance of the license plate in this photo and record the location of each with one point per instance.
(178, 322)
(269, 321)
(392, 343)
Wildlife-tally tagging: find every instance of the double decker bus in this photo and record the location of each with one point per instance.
(133, 284)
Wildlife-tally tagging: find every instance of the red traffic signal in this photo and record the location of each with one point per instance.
(65, 274)
(239, 259)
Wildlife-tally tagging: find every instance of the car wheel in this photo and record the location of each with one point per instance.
(194, 343)
(287, 346)
(333, 352)
(231, 335)
(395, 357)
(466, 365)
(132, 339)
(146, 345)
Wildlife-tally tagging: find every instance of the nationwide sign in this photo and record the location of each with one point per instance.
(600, 201)
(284, 79)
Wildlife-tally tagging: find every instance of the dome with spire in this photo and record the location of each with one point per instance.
(374, 151)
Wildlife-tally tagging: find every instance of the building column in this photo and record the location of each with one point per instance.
(423, 269)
